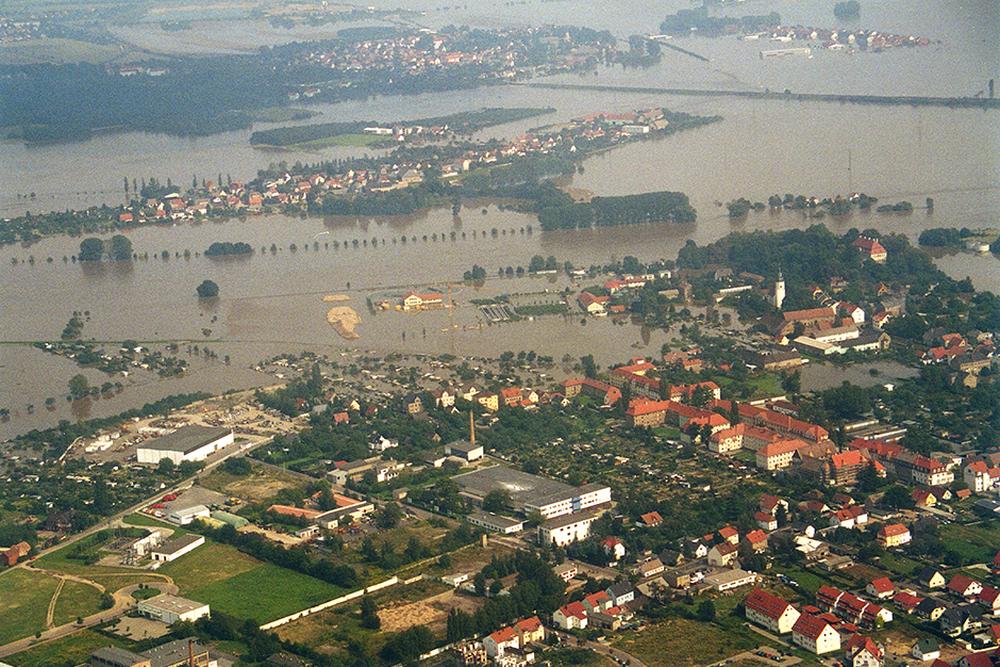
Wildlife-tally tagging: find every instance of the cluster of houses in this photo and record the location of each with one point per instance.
(606, 609)
(510, 646)
(965, 359)
(616, 294)
(836, 39)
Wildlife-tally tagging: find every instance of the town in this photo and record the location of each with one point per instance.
(694, 508)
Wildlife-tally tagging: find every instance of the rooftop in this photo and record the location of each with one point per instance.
(187, 439)
(524, 488)
(166, 602)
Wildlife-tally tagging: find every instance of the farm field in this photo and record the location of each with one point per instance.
(206, 565)
(24, 601)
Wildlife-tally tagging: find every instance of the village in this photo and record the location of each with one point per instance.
(697, 493)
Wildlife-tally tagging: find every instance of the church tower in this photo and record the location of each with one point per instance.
(779, 290)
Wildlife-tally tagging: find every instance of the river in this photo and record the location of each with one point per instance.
(273, 302)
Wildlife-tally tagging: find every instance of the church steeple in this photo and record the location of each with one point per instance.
(779, 290)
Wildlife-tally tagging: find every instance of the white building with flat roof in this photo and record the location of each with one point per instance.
(567, 528)
(189, 443)
(169, 609)
(177, 547)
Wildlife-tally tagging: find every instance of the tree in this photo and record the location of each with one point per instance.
(497, 500)
(389, 516)
(369, 614)
(792, 382)
(166, 466)
(589, 367)
(121, 248)
(91, 250)
(207, 290)
(107, 602)
(78, 386)
(706, 611)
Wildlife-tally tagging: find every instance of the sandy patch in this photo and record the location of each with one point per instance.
(579, 195)
(397, 619)
(344, 320)
(336, 298)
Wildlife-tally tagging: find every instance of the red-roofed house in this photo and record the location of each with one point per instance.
(766, 521)
(614, 548)
(757, 540)
(907, 601)
(729, 534)
(989, 597)
(881, 588)
(871, 248)
(815, 635)
(864, 652)
(531, 630)
(779, 454)
(893, 535)
(770, 611)
(572, 616)
(965, 587)
(592, 304)
(497, 643)
(651, 519)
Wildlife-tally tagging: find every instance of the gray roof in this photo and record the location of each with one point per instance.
(620, 588)
(171, 603)
(524, 488)
(463, 446)
(187, 439)
(116, 656)
(569, 519)
(172, 653)
(178, 543)
(496, 519)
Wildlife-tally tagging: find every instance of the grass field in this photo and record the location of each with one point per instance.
(207, 565)
(265, 593)
(75, 600)
(24, 601)
(354, 140)
(977, 544)
(260, 485)
(242, 586)
(72, 650)
(55, 50)
(683, 642)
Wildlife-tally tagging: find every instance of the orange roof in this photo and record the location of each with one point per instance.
(780, 447)
(765, 603)
(528, 624)
(756, 536)
(882, 585)
(893, 530)
(641, 406)
(652, 518)
(504, 635)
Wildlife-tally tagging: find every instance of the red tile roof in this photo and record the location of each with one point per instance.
(882, 585)
(765, 603)
(810, 626)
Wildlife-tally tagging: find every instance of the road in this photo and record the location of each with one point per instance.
(603, 649)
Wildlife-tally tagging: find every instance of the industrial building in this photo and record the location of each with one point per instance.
(178, 653)
(169, 609)
(531, 493)
(190, 443)
(177, 547)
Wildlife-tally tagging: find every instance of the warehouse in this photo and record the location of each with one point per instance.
(177, 547)
(169, 609)
(190, 443)
(496, 523)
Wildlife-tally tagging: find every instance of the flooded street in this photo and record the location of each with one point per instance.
(272, 302)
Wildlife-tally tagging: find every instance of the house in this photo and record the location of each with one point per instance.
(593, 305)
(614, 548)
(854, 516)
(956, 621)
(498, 642)
(531, 630)
(722, 555)
(931, 609)
(443, 398)
(770, 611)
(864, 652)
(15, 553)
(489, 400)
(965, 587)
(729, 534)
(880, 588)
(413, 404)
(926, 649)
(620, 593)
(598, 601)
(932, 578)
(414, 301)
(757, 539)
(893, 535)
(649, 568)
(989, 597)
(566, 571)
(907, 601)
(871, 248)
(815, 635)
(651, 519)
(572, 616)
(766, 521)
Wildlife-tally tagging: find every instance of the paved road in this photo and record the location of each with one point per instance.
(603, 649)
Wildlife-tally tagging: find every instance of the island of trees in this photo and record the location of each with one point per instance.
(686, 20)
(224, 248)
(207, 290)
(118, 248)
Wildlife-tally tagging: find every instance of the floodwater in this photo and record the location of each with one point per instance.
(272, 303)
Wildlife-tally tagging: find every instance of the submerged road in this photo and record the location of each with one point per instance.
(878, 100)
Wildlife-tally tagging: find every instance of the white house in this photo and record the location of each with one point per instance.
(770, 611)
(815, 635)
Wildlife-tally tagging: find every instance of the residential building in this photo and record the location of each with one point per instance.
(931, 578)
(778, 455)
(722, 555)
(565, 529)
(893, 535)
(864, 652)
(926, 649)
(880, 588)
(965, 587)
(770, 611)
(621, 593)
(815, 635)
(725, 580)
(572, 616)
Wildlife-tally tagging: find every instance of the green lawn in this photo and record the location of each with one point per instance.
(208, 564)
(72, 650)
(977, 544)
(242, 586)
(55, 50)
(265, 593)
(24, 601)
(898, 563)
(75, 600)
